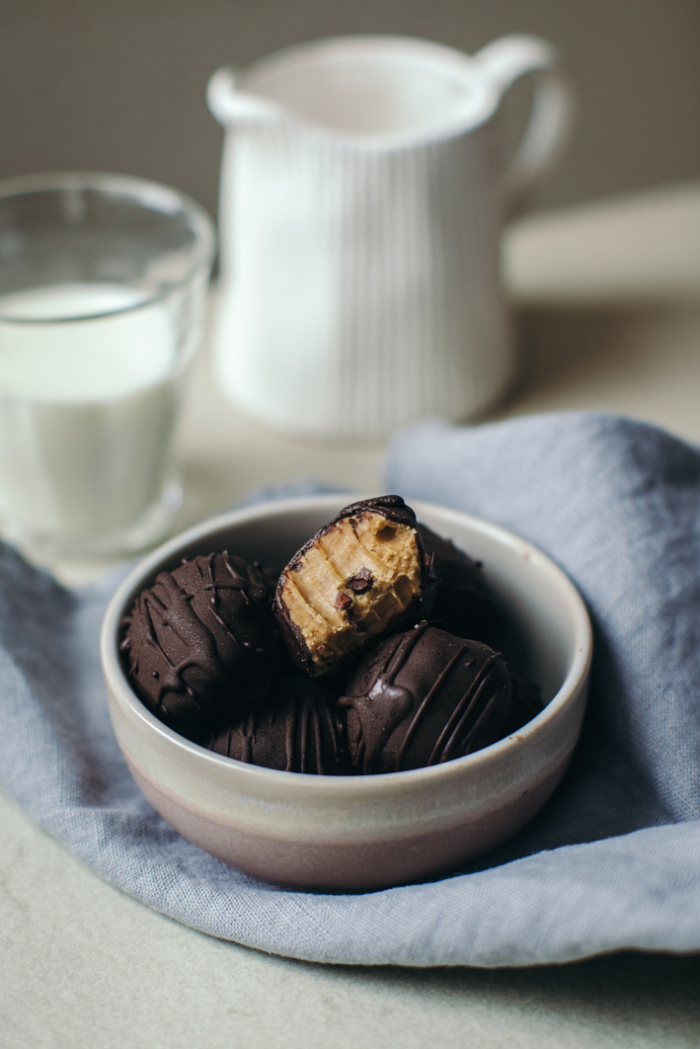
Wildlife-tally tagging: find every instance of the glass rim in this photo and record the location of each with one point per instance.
(151, 195)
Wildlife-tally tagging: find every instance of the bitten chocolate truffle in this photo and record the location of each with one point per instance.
(459, 600)
(202, 642)
(423, 697)
(359, 578)
(296, 728)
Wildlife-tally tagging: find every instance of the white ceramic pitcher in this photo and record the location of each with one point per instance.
(362, 199)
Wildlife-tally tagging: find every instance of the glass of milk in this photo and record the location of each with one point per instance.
(102, 288)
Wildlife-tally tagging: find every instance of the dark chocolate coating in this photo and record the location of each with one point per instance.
(271, 577)
(457, 598)
(296, 728)
(423, 697)
(202, 642)
(526, 703)
(390, 506)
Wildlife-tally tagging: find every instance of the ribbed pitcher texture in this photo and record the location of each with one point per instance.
(360, 286)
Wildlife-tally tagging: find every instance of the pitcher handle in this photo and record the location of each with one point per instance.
(231, 106)
(505, 61)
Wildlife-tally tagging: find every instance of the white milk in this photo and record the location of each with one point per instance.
(86, 408)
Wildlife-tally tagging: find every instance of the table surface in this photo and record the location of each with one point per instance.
(607, 308)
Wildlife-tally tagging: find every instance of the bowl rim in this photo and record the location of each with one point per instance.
(348, 786)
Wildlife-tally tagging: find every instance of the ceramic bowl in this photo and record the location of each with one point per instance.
(364, 832)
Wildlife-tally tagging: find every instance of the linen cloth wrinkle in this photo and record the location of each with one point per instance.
(613, 859)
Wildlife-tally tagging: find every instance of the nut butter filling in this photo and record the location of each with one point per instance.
(356, 580)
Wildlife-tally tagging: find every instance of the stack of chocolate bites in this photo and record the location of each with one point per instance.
(368, 654)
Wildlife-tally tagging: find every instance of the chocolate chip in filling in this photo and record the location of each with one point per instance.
(360, 577)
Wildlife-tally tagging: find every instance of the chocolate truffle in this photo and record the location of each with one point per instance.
(202, 641)
(526, 701)
(359, 578)
(296, 728)
(423, 697)
(459, 600)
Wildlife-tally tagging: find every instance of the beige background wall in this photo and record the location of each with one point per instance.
(119, 84)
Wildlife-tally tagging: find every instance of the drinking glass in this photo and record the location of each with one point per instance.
(102, 292)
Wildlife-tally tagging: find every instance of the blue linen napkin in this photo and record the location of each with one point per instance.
(613, 860)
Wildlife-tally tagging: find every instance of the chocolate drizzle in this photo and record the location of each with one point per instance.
(385, 705)
(461, 729)
(174, 613)
(297, 728)
(421, 710)
(201, 641)
(423, 698)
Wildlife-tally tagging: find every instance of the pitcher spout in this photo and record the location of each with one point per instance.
(231, 106)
